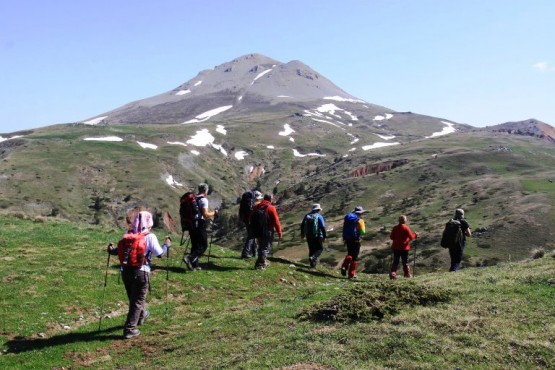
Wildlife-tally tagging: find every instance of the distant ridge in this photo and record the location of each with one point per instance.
(529, 127)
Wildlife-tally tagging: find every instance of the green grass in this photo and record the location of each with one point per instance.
(230, 316)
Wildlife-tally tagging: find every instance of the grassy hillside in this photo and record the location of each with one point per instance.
(505, 183)
(289, 316)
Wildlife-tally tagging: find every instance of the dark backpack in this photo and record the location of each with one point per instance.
(246, 205)
(452, 234)
(350, 232)
(259, 222)
(189, 211)
(131, 250)
(311, 229)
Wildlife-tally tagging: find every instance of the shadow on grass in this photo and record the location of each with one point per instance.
(304, 268)
(22, 344)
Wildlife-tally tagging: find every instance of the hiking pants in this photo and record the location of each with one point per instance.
(249, 249)
(136, 285)
(315, 247)
(264, 247)
(456, 255)
(399, 255)
(199, 243)
(353, 249)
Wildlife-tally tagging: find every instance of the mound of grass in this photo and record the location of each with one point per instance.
(364, 303)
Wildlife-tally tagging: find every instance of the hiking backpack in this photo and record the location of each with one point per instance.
(350, 231)
(259, 222)
(246, 205)
(452, 234)
(311, 229)
(189, 211)
(131, 250)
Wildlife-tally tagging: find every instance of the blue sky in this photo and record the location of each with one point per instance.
(476, 62)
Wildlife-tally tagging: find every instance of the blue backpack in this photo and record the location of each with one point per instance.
(350, 232)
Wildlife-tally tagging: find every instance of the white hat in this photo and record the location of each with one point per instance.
(359, 210)
(258, 195)
(316, 207)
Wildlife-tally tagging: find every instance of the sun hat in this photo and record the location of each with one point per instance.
(258, 195)
(316, 207)
(359, 210)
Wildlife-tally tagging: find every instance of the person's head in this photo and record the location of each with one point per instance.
(203, 188)
(459, 214)
(268, 197)
(359, 211)
(402, 219)
(316, 207)
(258, 195)
(143, 222)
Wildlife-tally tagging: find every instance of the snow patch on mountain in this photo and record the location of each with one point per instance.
(171, 181)
(260, 75)
(240, 155)
(183, 92)
(9, 138)
(95, 121)
(296, 153)
(287, 130)
(195, 152)
(384, 137)
(446, 130)
(198, 83)
(339, 98)
(147, 145)
(387, 116)
(105, 138)
(378, 145)
(221, 129)
(209, 114)
(177, 143)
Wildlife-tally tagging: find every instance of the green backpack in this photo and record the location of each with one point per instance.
(452, 234)
(311, 225)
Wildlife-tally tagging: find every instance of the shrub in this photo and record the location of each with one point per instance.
(537, 253)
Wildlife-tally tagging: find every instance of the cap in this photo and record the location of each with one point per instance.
(459, 213)
(359, 210)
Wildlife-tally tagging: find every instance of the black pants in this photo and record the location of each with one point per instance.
(199, 243)
(264, 247)
(400, 255)
(315, 248)
(353, 249)
(136, 285)
(249, 249)
(456, 254)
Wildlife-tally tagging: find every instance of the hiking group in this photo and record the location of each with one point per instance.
(262, 224)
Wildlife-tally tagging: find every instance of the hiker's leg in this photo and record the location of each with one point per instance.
(354, 251)
(318, 248)
(263, 251)
(138, 282)
(406, 267)
(248, 247)
(394, 265)
(456, 254)
(201, 244)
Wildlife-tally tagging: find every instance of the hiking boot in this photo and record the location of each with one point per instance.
(131, 333)
(312, 262)
(407, 272)
(146, 314)
(198, 268)
(353, 278)
(343, 271)
(393, 275)
(246, 256)
(188, 262)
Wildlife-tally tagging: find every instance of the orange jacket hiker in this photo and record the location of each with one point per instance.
(401, 235)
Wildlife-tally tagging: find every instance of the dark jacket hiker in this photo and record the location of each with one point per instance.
(313, 228)
(353, 230)
(454, 238)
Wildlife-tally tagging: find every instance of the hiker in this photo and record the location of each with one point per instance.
(401, 235)
(353, 230)
(313, 228)
(458, 243)
(249, 199)
(136, 272)
(265, 223)
(198, 233)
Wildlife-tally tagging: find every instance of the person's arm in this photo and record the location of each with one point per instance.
(361, 227)
(322, 226)
(274, 215)
(466, 226)
(302, 227)
(154, 245)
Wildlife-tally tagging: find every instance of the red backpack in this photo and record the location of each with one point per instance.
(189, 211)
(131, 250)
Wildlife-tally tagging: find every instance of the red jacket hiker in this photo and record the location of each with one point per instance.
(401, 236)
(273, 218)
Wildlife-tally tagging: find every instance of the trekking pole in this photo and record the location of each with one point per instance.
(414, 259)
(182, 234)
(214, 225)
(104, 290)
(167, 277)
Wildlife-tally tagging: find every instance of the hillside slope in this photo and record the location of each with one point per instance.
(231, 316)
